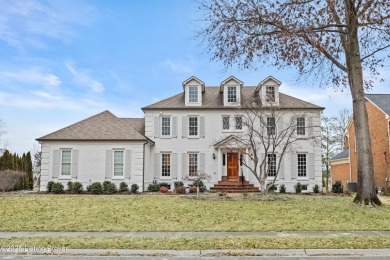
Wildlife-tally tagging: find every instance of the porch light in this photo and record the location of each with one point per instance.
(214, 156)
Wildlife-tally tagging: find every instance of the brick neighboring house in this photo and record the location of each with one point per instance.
(378, 110)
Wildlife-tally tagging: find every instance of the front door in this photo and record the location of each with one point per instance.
(232, 166)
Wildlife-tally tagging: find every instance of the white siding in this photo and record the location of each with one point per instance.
(91, 163)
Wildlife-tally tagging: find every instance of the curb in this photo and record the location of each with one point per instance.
(206, 253)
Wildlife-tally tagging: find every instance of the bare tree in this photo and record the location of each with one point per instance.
(331, 40)
(342, 120)
(329, 145)
(268, 135)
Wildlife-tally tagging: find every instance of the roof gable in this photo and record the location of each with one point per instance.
(269, 78)
(196, 79)
(382, 101)
(103, 126)
(223, 83)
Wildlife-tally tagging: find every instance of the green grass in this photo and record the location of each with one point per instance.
(175, 213)
(203, 243)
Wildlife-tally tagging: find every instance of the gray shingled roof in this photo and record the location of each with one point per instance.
(103, 126)
(138, 124)
(380, 100)
(212, 99)
(343, 155)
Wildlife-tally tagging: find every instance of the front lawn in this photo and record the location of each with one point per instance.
(179, 213)
(203, 243)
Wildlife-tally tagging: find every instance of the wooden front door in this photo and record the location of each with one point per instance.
(232, 165)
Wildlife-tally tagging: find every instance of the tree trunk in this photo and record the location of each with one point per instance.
(263, 189)
(366, 193)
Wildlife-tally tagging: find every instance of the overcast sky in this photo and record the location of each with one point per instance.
(63, 61)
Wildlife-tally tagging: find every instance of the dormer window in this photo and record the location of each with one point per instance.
(232, 94)
(193, 94)
(193, 90)
(270, 93)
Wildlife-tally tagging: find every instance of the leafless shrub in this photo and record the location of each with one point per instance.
(9, 180)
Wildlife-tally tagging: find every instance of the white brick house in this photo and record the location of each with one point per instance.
(181, 136)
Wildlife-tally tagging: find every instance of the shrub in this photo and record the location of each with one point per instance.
(273, 187)
(202, 188)
(95, 188)
(178, 184)
(154, 187)
(69, 184)
(180, 190)
(337, 187)
(134, 188)
(316, 188)
(50, 186)
(164, 184)
(298, 187)
(163, 189)
(9, 180)
(77, 188)
(282, 188)
(109, 187)
(57, 188)
(193, 189)
(123, 186)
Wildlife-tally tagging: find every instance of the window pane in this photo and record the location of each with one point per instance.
(165, 125)
(270, 93)
(271, 126)
(301, 126)
(165, 164)
(118, 163)
(193, 93)
(271, 165)
(301, 165)
(65, 162)
(238, 122)
(225, 123)
(193, 126)
(193, 164)
(232, 94)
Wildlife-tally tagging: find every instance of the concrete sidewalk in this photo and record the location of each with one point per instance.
(192, 234)
(273, 253)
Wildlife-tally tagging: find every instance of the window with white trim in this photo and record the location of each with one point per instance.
(271, 160)
(193, 160)
(165, 126)
(118, 163)
(66, 162)
(270, 93)
(238, 122)
(225, 123)
(301, 165)
(232, 94)
(301, 130)
(193, 126)
(166, 165)
(193, 94)
(271, 126)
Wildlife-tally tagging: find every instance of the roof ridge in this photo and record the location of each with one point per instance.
(78, 122)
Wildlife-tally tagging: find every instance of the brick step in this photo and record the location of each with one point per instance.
(233, 188)
(235, 191)
(233, 183)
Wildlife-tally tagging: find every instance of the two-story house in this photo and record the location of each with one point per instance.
(344, 165)
(186, 134)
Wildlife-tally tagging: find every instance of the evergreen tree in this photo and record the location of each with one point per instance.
(29, 171)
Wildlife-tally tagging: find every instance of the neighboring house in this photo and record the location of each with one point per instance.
(378, 111)
(182, 136)
(340, 168)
